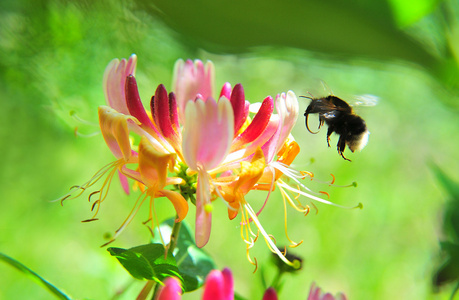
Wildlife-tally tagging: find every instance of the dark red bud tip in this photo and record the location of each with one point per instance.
(161, 92)
(270, 294)
(238, 104)
(134, 103)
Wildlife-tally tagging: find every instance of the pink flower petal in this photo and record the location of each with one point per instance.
(191, 79)
(171, 290)
(315, 293)
(114, 82)
(226, 91)
(328, 296)
(203, 215)
(219, 286)
(287, 106)
(228, 290)
(208, 132)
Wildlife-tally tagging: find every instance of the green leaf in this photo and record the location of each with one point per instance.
(147, 262)
(14, 263)
(451, 215)
(448, 184)
(409, 11)
(449, 270)
(194, 263)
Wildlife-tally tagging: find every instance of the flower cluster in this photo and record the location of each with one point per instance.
(189, 146)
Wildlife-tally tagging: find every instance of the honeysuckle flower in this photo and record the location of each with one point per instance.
(153, 168)
(315, 293)
(219, 285)
(171, 290)
(228, 144)
(115, 129)
(253, 165)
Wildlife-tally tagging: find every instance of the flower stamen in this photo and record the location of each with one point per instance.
(294, 244)
(129, 218)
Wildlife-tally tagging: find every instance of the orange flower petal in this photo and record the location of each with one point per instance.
(153, 165)
(179, 203)
(115, 131)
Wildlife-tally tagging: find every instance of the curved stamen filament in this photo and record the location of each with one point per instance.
(292, 173)
(325, 193)
(255, 262)
(129, 218)
(103, 192)
(82, 121)
(286, 186)
(294, 244)
(308, 174)
(95, 178)
(268, 240)
(88, 135)
(290, 201)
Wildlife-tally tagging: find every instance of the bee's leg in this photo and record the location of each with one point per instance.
(341, 146)
(329, 132)
(321, 121)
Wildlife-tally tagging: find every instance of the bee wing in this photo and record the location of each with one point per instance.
(365, 100)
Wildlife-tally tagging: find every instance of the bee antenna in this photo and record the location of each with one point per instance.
(311, 98)
(326, 87)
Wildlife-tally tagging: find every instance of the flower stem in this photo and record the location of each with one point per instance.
(276, 280)
(146, 290)
(170, 248)
(174, 236)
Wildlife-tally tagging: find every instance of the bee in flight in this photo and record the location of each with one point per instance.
(341, 119)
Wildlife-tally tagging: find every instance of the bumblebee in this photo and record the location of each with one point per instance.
(341, 119)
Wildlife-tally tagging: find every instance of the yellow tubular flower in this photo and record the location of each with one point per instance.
(153, 167)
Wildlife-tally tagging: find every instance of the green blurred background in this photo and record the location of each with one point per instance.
(52, 58)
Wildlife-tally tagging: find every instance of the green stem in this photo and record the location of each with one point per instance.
(171, 247)
(276, 280)
(156, 291)
(146, 290)
(174, 235)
